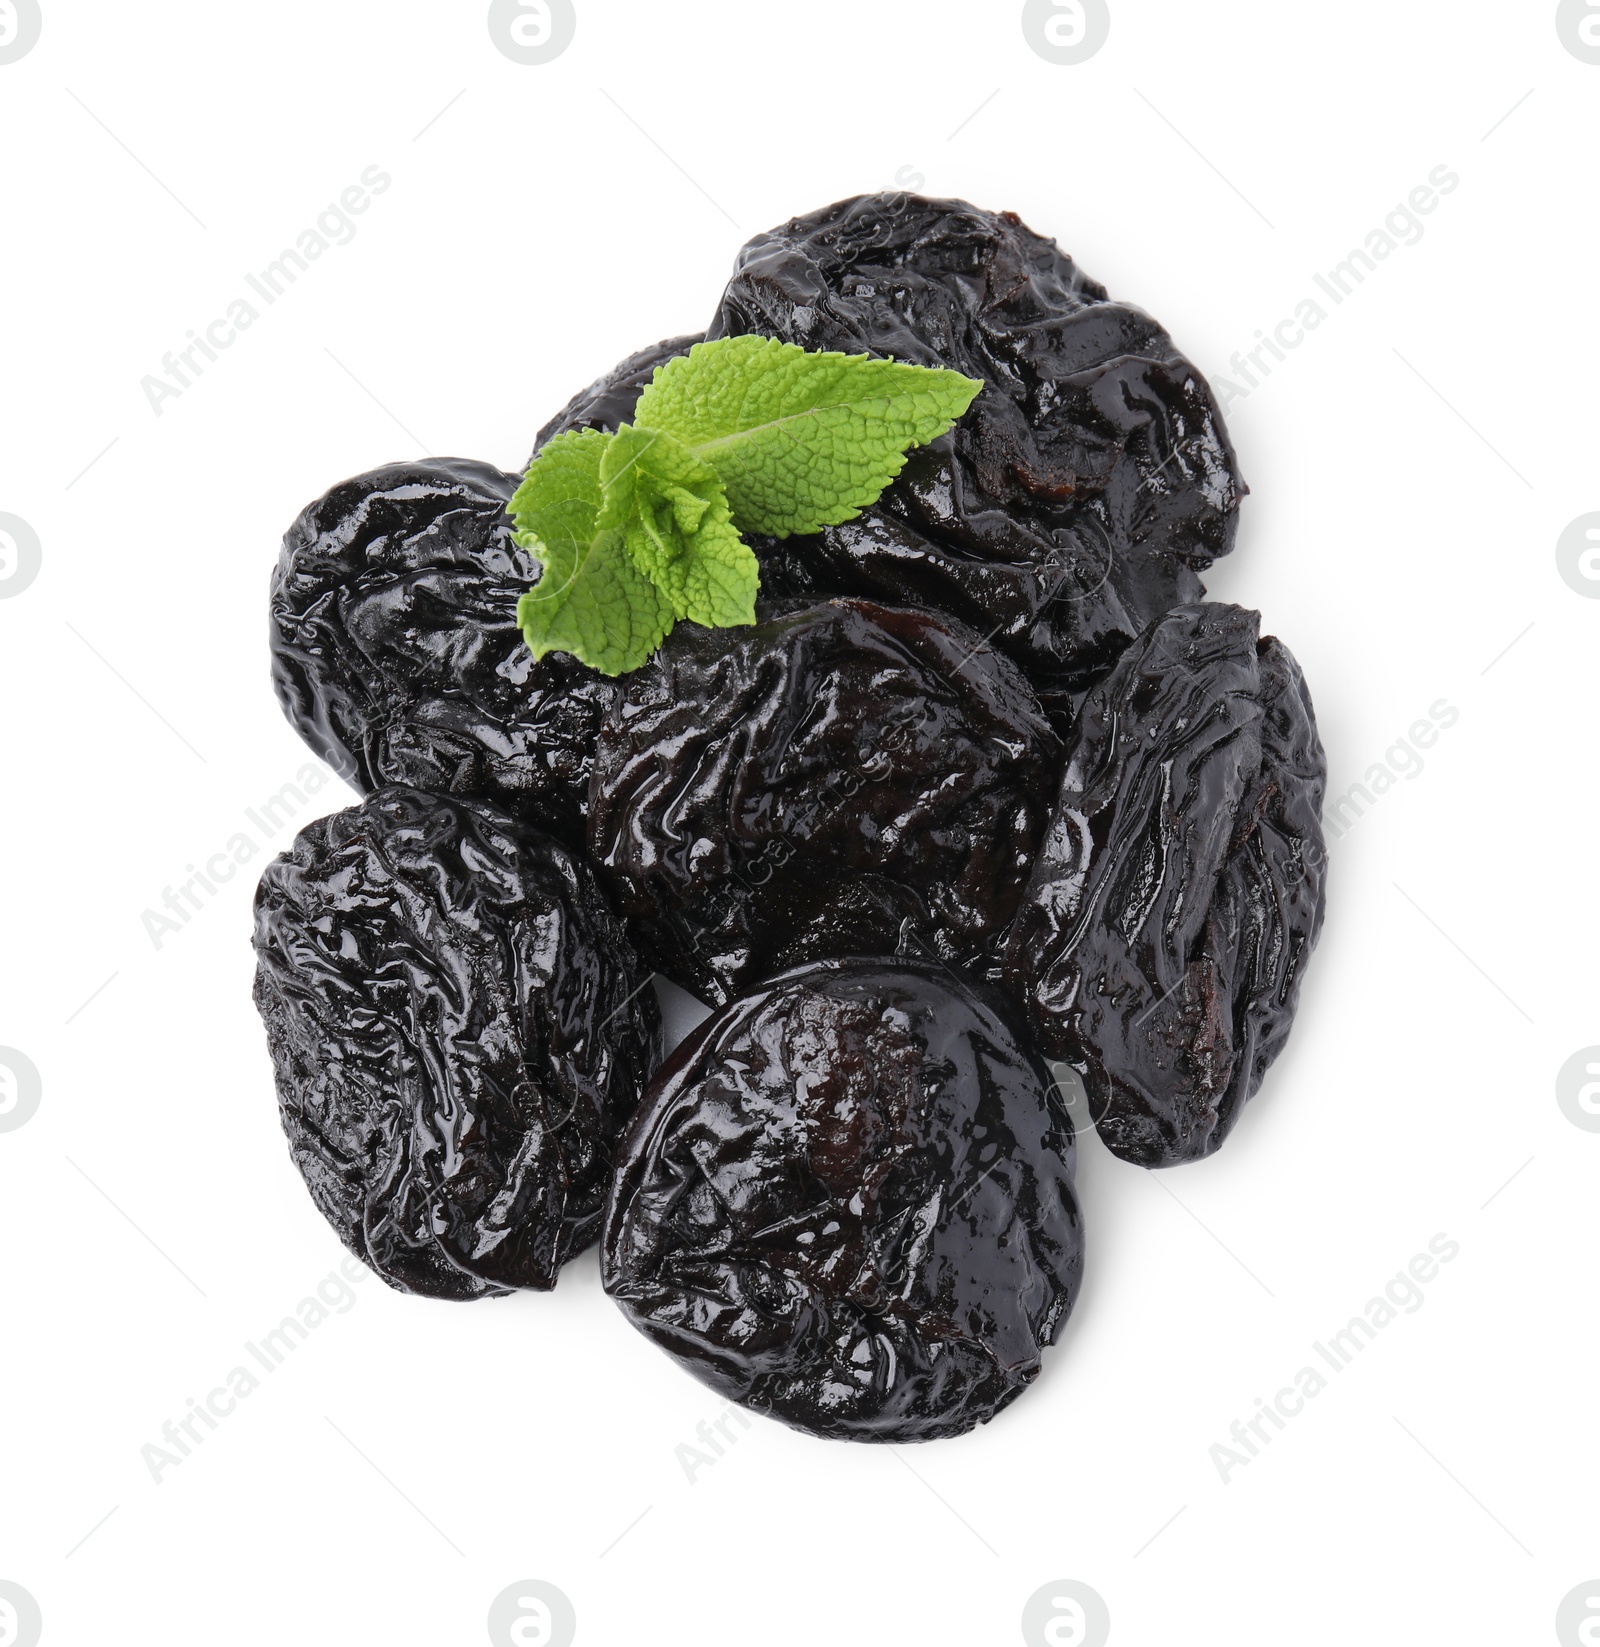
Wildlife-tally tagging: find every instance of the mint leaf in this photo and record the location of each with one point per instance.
(673, 513)
(637, 530)
(591, 600)
(800, 440)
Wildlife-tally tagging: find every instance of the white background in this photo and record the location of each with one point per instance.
(1413, 465)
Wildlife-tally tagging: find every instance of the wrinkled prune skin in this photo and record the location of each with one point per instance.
(459, 1031)
(847, 1201)
(610, 400)
(841, 778)
(396, 653)
(1087, 488)
(1179, 892)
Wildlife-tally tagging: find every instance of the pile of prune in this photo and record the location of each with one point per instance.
(987, 783)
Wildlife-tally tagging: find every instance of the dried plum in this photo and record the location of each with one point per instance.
(847, 1201)
(610, 400)
(396, 653)
(1179, 892)
(459, 1032)
(1088, 487)
(840, 778)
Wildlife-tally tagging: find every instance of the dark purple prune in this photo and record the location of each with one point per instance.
(1179, 892)
(459, 1031)
(847, 1201)
(396, 653)
(843, 778)
(610, 400)
(1087, 488)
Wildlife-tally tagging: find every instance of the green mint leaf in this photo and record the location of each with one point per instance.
(800, 440)
(673, 514)
(591, 600)
(638, 530)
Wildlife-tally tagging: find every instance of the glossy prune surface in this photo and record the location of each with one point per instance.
(1087, 488)
(848, 1201)
(459, 1031)
(1179, 891)
(396, 653)
(610, 400)
(839, 778)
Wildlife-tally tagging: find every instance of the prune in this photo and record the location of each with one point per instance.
(1091, 482)
(459, 1032)
(840, 778)
(1179, 892)
(847, 1201)
(396, 653)
(610, 400)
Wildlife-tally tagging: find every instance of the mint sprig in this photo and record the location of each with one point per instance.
(638, 530)
(673, 512)
(591, 599)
